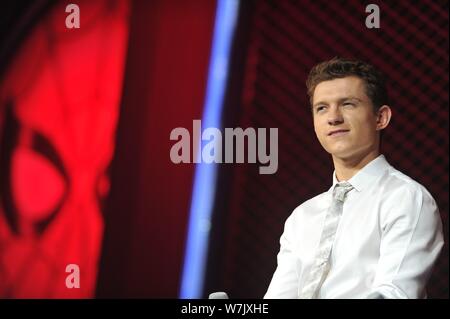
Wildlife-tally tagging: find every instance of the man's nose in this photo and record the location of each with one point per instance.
(335, 116)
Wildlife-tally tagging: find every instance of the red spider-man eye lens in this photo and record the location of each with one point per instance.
(38, 187)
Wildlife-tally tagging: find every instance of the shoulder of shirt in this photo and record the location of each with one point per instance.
(393, 181)
(400, 182)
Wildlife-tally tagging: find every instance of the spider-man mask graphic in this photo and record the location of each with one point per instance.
(58, 115)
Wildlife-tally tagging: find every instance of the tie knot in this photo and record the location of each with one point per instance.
(341, 189)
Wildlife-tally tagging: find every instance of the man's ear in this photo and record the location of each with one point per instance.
(383, 117)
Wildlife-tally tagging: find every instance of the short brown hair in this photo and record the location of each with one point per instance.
(339, 68)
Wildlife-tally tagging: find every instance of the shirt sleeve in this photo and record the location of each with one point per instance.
(411, 241)
(284, 283)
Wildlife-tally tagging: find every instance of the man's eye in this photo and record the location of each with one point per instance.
(348, 104)
(320, 108)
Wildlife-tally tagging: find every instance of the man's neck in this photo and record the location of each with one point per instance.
(346, 168)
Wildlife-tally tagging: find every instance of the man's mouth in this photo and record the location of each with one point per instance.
(338, 132)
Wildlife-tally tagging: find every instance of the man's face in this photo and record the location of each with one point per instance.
(344, 119)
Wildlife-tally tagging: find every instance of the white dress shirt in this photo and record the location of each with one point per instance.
(388, 239)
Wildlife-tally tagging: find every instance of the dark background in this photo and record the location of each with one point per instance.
(279, 43)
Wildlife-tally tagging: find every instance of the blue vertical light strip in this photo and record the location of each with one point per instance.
(205, 174)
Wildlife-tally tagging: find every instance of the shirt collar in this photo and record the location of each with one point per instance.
(367, 174)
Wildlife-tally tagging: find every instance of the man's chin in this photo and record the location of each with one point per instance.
(341, 153)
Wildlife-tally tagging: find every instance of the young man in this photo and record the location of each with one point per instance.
(376, 233)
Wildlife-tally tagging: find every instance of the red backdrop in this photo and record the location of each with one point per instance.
(148, 208)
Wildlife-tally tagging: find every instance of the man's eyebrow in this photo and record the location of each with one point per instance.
(349, 98)
(320, 103)
(342, 99)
